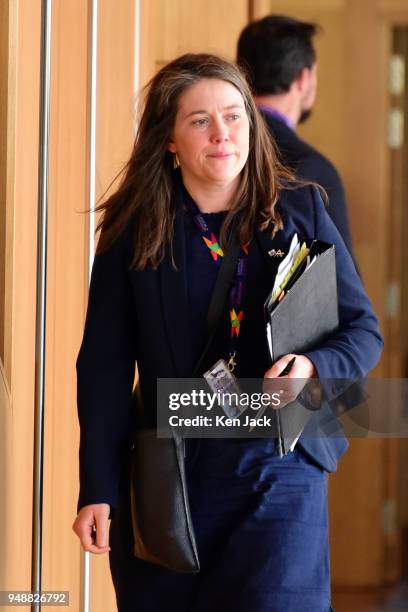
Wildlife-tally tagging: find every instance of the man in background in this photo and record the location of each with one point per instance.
(278, 56)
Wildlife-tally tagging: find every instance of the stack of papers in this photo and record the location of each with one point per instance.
(296, 262)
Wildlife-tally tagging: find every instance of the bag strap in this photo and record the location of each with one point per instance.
(219, 294)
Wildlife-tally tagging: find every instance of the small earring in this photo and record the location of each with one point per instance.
(176, 161)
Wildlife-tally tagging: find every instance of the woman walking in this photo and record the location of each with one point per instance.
(203, 163)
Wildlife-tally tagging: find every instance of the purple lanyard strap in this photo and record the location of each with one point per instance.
(237, 292)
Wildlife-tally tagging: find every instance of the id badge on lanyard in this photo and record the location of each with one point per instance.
(222, 382)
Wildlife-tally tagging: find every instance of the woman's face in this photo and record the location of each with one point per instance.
(211, 133)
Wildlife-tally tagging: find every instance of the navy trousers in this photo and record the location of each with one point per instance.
(262, 533)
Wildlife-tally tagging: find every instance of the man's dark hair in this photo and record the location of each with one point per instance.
(274, 50)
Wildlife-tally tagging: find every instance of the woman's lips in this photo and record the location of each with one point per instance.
(221, 155)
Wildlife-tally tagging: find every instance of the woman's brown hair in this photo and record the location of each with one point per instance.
(146, 191)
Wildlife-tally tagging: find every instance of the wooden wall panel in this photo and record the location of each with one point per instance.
(366, 168)
(258, 9)
(66, 292)
(5, 464)
(394, 9)
(365, 174)
(4, 74)
(20, 174)
(199, 26)
(116, 94)
(356, 505)
(149, 33)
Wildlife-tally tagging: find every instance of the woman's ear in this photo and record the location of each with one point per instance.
(171, 147)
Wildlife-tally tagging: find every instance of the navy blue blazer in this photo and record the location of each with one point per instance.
(141, 316)
(310, 164)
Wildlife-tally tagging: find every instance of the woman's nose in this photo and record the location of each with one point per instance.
(220, 133)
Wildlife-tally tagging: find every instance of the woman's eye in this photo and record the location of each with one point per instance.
(233, 117)
(200, 122)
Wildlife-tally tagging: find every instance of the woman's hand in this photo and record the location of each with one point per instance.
(302, 368)
(91, 527)
(291, 385)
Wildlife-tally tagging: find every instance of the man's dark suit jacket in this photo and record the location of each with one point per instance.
(142, 316)
(309, 164)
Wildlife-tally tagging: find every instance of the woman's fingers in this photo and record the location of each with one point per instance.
(301, 368)
(92, 528)
(274, 383)
(286, 389)
(291, 385)
(102, 530)
(279, 366)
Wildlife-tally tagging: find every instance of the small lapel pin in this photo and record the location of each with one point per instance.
(276, 253)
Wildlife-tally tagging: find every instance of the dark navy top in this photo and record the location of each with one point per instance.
(252, 355)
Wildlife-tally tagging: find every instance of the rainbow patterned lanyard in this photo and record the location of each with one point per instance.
(236, 295)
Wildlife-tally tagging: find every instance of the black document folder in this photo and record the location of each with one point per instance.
(304, 319)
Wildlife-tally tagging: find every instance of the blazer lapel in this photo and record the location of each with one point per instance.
(173, 287)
